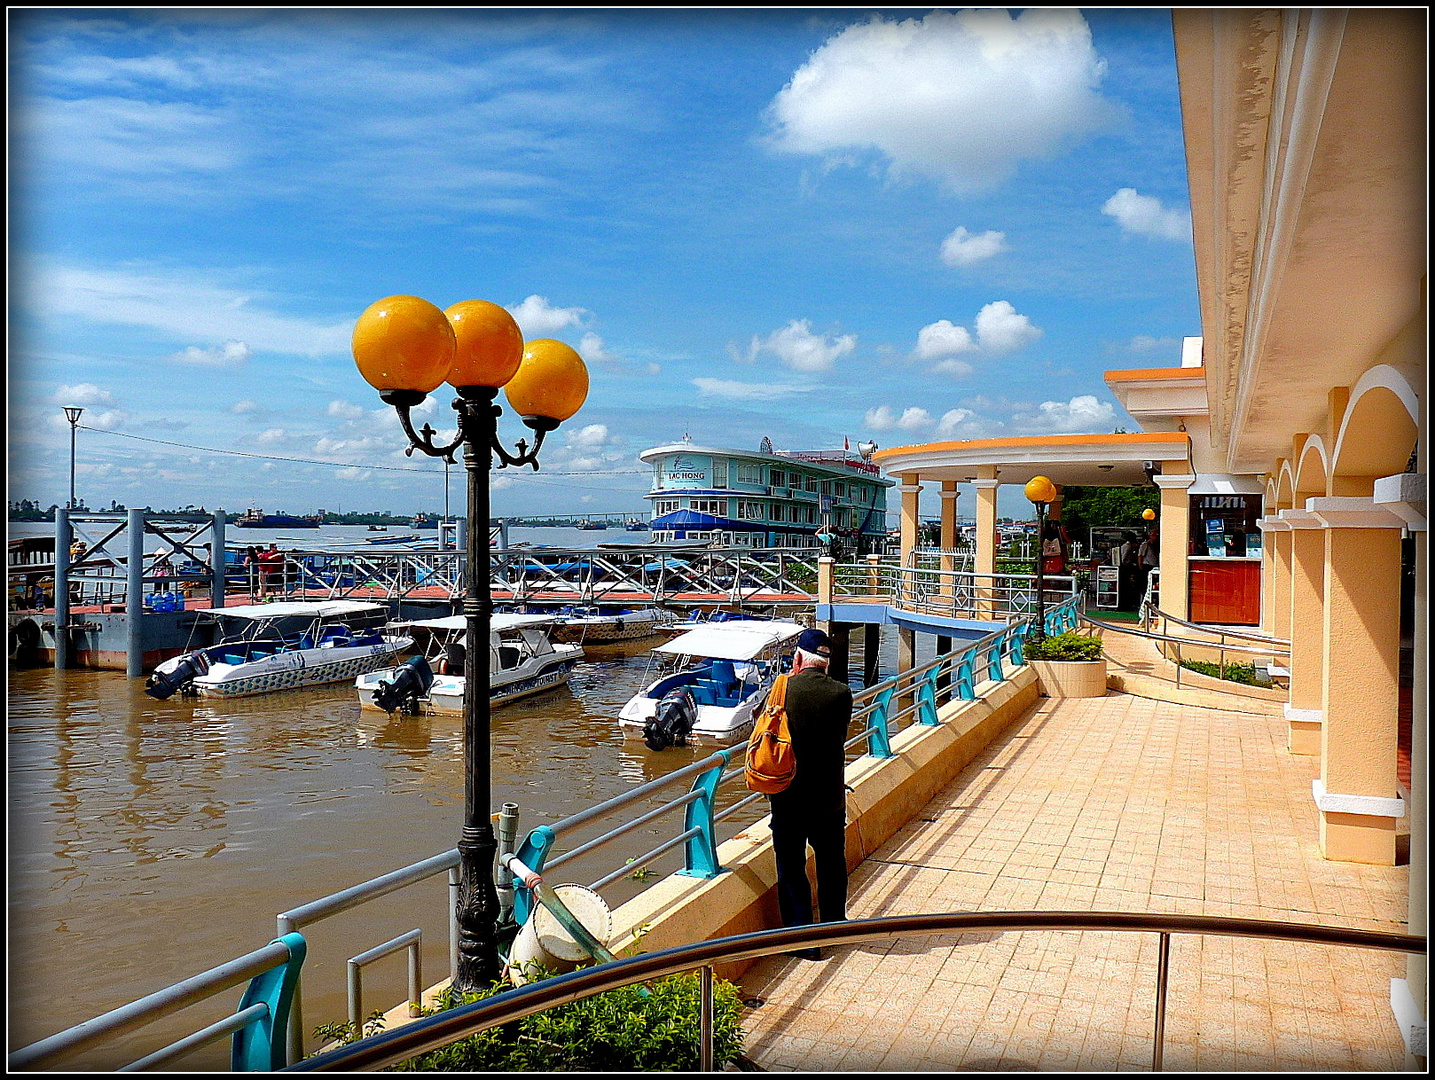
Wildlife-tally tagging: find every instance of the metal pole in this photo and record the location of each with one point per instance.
(74, 426)
(1040, 578)
(706, 1022)
(478, 965)
(1163, 971)
(63, 539)
(216, 559)
(134, 630)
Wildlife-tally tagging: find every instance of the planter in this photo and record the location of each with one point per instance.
(1071, 678)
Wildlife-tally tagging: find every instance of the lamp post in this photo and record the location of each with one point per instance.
(405, 347)
(1040, 491)
(72, 413)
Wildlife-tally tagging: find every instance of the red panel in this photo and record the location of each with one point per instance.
(1226, 592)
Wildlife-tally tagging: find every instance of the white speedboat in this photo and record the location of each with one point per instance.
(598, 627)
(710, 683)
(279, 646)
(522, 660)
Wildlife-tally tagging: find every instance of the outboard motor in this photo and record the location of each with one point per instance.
(672, 720)
(412, 681)
(162, 684)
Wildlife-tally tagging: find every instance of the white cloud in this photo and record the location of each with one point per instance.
(591, 435)
(942, 339)
(249, 405)
(654, 368)
(957, 422)
(912, 419)
(1144, 215)
(230, 354)
(799, 348)
(1083, 413)
(1000, 329)
(271, 437)
(85, 395)
(961, 97)
(740, 391)
(345, 410)
(951, 366)
(593, 351)
(962, 248)
(180, 305)
(536, 317)
(1146, 343)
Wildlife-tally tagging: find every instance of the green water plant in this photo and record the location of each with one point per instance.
(1067, 646)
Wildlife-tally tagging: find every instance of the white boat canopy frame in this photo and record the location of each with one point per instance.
(731, 641)
(497, 624)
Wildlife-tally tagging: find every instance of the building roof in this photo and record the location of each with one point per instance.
(1114, 460)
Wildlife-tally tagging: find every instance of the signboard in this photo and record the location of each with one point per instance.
(686, 471)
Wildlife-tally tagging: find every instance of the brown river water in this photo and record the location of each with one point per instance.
(150, 840)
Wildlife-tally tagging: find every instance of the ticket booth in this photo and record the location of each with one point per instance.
(1225, 559)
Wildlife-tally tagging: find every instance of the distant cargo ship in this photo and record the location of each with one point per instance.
(424, 521)
(258, 519)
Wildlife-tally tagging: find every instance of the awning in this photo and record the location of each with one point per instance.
(731, 641)
(313, 609)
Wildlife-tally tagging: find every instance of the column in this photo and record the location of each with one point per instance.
(841, 638)
(1281, 583)
(134, 597)
(1268, 526)
(64, 537)
(1304, 711)
(1357, 789)
(949, 541)
(217, 566)
(911, 490)
(871, 650)
(1175, 543)
(985, 562)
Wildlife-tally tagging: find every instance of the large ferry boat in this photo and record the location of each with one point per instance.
(767, 498)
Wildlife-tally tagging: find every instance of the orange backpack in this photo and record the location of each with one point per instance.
(770, 763)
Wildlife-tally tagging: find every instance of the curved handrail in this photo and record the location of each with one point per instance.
(1120, 629)
(1154, 610)
(440, 1029)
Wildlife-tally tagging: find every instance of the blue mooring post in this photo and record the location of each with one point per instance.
(879, 744)
(134, 596)
(217, 561)
(259, 1046)
(63, 538)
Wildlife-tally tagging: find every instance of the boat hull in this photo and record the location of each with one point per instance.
(297, 668)
(446, 694)
(602, 628)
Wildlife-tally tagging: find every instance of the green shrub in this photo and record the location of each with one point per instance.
(1067, 646)
(617, 1031)
(1245, 674)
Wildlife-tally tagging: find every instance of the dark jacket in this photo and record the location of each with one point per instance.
(819, 711)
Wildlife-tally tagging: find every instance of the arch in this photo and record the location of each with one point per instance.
(1312, 472)
(1379, 427)
(1283, 486)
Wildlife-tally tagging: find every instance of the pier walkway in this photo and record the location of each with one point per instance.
(1119, 803)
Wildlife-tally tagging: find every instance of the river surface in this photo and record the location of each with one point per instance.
(150, 840)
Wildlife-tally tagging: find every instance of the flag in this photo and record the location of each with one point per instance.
(845, 446)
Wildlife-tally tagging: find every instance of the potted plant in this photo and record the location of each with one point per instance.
(1067, 665)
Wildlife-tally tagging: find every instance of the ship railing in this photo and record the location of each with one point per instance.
(713, 802)
(442, 1028)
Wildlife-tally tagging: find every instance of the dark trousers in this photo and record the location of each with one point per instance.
(791, 833)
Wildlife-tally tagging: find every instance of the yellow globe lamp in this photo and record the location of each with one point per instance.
(403, 346)
(1039, 489)
(1149, 514)
(489, 344)
(550, 385)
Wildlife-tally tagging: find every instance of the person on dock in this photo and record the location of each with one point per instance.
(813, 810)
(271, 562)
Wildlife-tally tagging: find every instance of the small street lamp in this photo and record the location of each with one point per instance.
(72, 413)
(405, 347)
(1040, 491)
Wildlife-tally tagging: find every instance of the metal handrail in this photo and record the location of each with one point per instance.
(1243, 635)
(440, 1029)
(1221, 647)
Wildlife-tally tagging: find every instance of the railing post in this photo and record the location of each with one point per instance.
(879, 744)
(1163, 971)
(700, 851)
(927, 698)
(259, 1046)
(705, 978)
(874, 575)
(994, 657)
(966, 676)
(824, 579)
(64, 537)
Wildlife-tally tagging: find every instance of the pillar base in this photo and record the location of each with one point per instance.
(1357, 838)
(1303, 731)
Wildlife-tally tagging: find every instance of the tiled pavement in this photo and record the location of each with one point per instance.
(1119, 803)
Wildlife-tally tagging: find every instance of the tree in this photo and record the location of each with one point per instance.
(1118, 507)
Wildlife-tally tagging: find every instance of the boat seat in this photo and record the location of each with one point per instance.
(306, 642)
(724, 677)
(508, 657)
(704, 693)
(231, 658)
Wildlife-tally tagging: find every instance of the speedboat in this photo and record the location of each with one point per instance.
(709, 683)
(696, 619)
(598, 627)
(522, 660)
(282, 645)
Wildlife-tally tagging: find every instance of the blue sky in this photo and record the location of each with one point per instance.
(810, 225)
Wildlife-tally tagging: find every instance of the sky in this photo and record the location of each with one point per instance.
(813, 225)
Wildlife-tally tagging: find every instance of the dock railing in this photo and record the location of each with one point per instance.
(880, 711)
(955, 592)
(1221, 640)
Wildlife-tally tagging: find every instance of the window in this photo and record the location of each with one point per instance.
(775, 477)
(708, 506)
(748, 510)
(657, 475)
(749, 474)
(719, 472)
(777, 512)
(839, 489)
(794, 480)
(666, 506)
(812, 483)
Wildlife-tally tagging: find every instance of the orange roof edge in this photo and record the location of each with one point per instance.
(1039, 440)
(1133, 374)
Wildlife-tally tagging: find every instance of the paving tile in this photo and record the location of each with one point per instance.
(1119, 804)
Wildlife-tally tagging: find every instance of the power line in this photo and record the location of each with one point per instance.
(343, 464)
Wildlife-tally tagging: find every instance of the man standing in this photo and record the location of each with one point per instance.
(813, 808)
